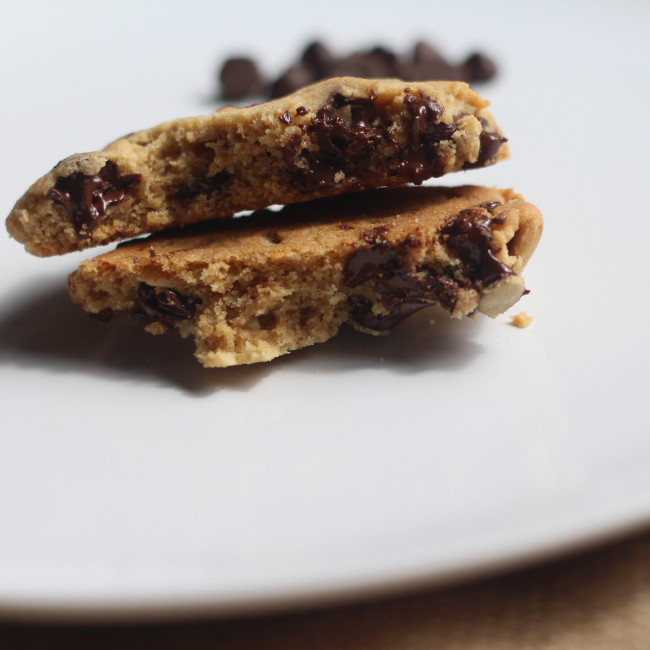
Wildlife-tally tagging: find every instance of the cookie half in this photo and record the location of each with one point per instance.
(254, 288)
(338, 136)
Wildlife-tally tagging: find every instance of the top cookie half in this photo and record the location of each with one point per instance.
(340, 135)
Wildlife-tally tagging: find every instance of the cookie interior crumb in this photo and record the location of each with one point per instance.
(521, 320)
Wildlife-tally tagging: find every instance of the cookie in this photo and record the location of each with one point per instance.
(338, 136)
(253, 288)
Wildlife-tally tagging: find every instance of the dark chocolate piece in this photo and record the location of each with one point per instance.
(469, 235)
(317, 62)
(285, 118)
(361, 312)
(344, 144)
(295, 77)
(86, 198)
(403, 289)
(206, 186)
(490, 143)
(340, 143)
(317, 58)
(479, 68)
(337, 138)
(376, 64)
(427, 64)
(164, 305)
(421, 160)
(240, 77)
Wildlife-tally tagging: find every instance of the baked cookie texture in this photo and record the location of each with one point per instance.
(256, 287)
(341, 135)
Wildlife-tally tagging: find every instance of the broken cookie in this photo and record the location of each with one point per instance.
(253, 288)
(342, 135)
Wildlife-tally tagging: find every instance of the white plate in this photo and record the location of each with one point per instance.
(134, 481)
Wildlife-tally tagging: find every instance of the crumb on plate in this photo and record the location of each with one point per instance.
(521, 320)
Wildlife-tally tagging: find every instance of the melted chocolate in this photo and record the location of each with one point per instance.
(207, 186)
(308, 170)
(86, 198)
(104, 315)
(346, 143)
(340, 144)
(165, 305)
(421, 160)
(402, 288)
(336, 138)
(490, 143)
(469, 235)
(240, 76)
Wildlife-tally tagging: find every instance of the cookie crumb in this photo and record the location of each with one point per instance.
(521, 320)
(156, 328)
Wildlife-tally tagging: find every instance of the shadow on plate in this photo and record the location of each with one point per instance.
(43, 329)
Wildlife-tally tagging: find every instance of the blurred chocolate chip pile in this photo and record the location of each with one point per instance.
(240, 77)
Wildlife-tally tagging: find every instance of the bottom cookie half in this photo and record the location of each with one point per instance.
(253, 288)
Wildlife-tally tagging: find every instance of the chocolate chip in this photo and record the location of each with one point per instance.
(273, 236)
(295, 77)
(347, 140)
(421, 159)
(402, 288)
(317, 58)
(362, 314)
(103, 316)
(469, 235)
(285, 118)
(425, 52)
(362, 65)
(479, 68)
(86, 197)
(240, 77)
(165, 305)
(427, 64)
(490, 145)
(340, 143)
(207, 186)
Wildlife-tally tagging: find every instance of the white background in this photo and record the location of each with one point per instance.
(134, 481)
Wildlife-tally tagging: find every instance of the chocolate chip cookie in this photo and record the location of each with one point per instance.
(256, 287)
(341, 135)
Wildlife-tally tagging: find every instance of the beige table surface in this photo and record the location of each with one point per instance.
(596, 599)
